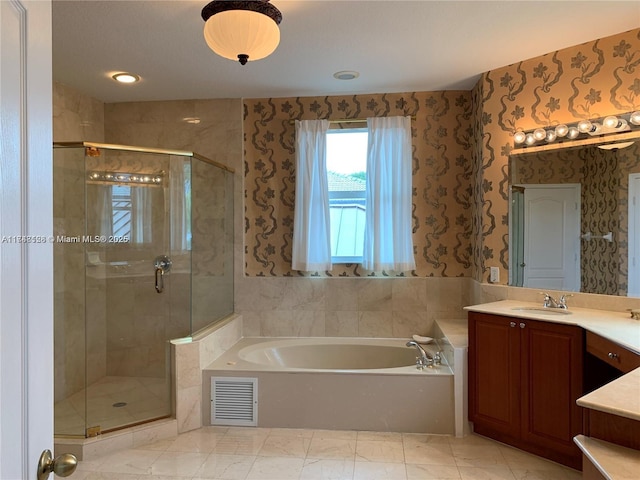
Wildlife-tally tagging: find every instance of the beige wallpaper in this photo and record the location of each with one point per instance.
(442, 147)
(586, 81)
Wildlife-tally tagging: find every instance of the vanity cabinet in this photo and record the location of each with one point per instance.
(524, 379)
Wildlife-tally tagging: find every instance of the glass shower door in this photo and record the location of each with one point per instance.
(129, 272)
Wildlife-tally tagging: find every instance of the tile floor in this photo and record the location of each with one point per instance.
(238, 453)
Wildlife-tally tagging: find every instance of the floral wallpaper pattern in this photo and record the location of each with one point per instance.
(442, 177)
(590, 80)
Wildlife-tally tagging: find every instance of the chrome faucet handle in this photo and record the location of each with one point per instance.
(562, 303)
(437, 358)
(548, 301)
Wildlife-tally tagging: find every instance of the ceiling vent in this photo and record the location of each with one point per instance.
(234, 401)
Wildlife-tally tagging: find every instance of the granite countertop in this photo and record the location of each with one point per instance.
(613, 461)
(620, 397)
(618, 327)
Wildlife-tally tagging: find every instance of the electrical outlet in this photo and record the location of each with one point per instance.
(494, 275)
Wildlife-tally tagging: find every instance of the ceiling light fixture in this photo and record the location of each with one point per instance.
(243, 30)
(346, 75)
(596, 127)
(126, 77)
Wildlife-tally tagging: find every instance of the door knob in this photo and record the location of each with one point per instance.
(63, 465)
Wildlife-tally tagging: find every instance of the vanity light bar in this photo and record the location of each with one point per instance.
(122, 177)
(600, 126)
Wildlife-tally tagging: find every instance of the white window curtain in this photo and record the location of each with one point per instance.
(141, 214)
(388, 231)
(311, 224)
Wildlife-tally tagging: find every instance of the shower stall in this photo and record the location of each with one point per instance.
(143, 254)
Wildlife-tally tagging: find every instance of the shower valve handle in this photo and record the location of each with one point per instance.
(162, 264)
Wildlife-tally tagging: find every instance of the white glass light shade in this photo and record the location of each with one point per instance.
(519, 136)
(611, 122)
(551, 136)
(562, 130)
(585, 126)
(635, 118)
(573, 133)
(241, 32)
(539, 134)
(529, 139)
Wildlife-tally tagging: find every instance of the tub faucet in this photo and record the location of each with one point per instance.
(424, 359)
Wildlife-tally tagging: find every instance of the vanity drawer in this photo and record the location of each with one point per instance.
(612, 353)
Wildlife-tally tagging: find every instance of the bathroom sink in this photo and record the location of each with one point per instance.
(543, 310)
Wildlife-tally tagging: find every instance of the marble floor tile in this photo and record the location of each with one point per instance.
(336, 448)
(378, 451)
(276, 468)
(327, 469)
(244, 453)
(225, 467)
(284, 446)
(379, 471)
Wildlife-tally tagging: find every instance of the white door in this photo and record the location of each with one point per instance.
(26, 269)
(552, 237)
(634, 236)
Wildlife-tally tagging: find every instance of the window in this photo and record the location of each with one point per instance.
(121, 210)
(346, 175)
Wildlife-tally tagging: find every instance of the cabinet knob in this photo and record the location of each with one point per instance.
(512, 324)
(612, 355)
(522, 324)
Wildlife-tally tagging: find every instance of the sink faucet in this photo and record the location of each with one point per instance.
(550, 302)
(424, 359)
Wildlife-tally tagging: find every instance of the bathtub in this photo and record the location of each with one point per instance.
(336, 384)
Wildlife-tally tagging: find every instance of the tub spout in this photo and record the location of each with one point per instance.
(424, 359)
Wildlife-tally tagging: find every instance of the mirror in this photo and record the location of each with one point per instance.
(573, 223)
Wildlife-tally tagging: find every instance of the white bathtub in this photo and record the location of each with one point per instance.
(339, 384)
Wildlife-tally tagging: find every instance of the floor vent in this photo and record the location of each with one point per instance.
(234, 401)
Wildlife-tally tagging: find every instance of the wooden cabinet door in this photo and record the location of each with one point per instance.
(551, 384)
(494, 374)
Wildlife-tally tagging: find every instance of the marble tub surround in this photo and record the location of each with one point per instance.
(616, 326)
(452, 337)
(612, 461)
(395, 307)
(190, 357)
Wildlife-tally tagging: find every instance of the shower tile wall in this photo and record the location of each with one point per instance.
(76, 117)
(217, 136)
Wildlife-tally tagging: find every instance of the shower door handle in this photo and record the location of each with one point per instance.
(162, 264)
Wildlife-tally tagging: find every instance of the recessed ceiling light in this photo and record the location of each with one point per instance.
(346, 75)
(125, 77)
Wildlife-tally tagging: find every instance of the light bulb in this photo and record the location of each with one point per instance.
(539, 134)
(584, 126)
(551, 136)
(562, 130)
(635, 118)
(573, 132)
(611, 122)
(530, 140)
(519, 136)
